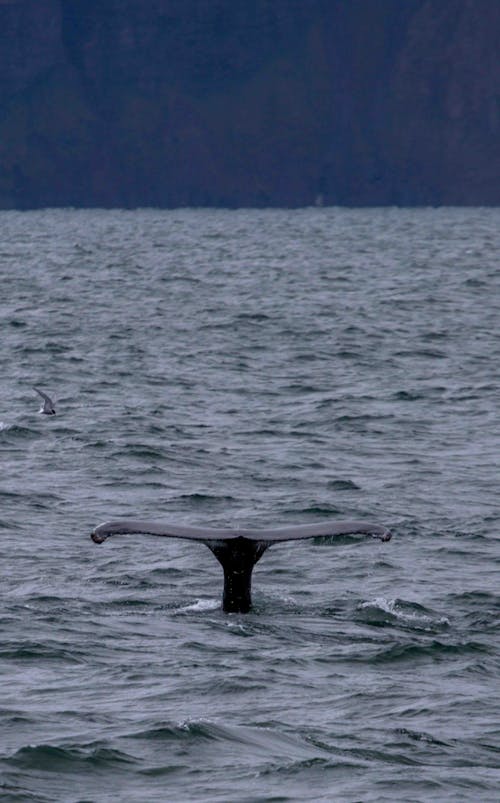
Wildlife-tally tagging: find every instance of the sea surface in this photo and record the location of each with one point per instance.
(250, 369)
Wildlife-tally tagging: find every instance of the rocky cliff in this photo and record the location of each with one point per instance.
(249, 102)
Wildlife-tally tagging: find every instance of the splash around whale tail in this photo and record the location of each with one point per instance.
(238, 550)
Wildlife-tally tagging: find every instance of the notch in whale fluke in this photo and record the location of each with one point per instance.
(238, 550)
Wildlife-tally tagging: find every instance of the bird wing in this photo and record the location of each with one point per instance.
(46, 398)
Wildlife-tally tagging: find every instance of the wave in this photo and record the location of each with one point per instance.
(437, 650)
(342, 485)
(14, 794)
(382, 612)
(205, 499)
(10, 432)
(269, 739)
(36, 651)
(52, 758)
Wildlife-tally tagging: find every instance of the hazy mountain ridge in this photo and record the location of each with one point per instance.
(231, 102)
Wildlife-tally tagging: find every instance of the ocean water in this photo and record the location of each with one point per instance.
(250, 368)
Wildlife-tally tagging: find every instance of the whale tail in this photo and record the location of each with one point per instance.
(238, 550)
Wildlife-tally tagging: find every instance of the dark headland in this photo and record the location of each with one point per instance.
(125, 103)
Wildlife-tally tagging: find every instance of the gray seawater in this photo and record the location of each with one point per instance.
(250, 368)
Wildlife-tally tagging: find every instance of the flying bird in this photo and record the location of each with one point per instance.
(48, 405)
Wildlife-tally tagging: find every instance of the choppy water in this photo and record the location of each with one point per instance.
(251, 368)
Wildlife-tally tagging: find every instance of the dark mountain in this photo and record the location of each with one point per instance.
(249, 102)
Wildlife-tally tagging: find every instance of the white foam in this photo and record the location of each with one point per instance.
(390, 606)
(200, 605)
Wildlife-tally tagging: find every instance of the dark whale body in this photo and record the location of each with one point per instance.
(238, 550)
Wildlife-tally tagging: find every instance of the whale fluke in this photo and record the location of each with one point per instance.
(238, 550)
(49, 407)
